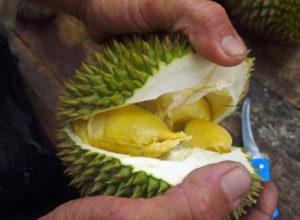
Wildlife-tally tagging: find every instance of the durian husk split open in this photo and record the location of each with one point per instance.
(163, 76)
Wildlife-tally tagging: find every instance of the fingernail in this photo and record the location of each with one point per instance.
(236, 184)
(232, 46)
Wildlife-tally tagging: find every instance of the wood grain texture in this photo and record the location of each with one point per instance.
(278, 68)
(50, 52)
(60, 44)
(41, 85)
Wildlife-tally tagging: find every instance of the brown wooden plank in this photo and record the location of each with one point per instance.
(43, 89)
(49, 53)
(61, 44)
(278, 68)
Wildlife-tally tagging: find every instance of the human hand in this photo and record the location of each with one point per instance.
(211, 192)
(204, 22)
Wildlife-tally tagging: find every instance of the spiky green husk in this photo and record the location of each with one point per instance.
(113, 77)
(120, 70)
(97, 174)
(276, 21)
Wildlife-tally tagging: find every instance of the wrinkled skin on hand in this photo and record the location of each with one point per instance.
(207, 193)
(204, 22)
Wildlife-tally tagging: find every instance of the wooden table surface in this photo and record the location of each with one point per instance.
(49, 52)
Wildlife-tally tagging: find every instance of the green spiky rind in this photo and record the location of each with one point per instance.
(97, 174)
(250, 62)
(276, 21)
(251, 198)
(117, 72)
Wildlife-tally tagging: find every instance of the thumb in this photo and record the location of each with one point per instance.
(215, 38)
(211, 192)
(204, 22)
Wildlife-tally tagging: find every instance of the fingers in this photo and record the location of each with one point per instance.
(266, 205)
(215, 38)
(98, 207)
(105, 17)
(205, 23)
(211, 192)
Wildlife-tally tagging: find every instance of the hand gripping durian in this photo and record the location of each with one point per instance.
(144, 114)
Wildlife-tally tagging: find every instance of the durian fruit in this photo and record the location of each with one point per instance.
(277, 21)
(117, 116)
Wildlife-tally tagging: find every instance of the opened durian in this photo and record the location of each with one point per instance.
(140, 117)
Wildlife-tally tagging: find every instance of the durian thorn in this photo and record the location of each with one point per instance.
(111, 166)
(153, 185)
(87, 69)
(110, 190)
(102, 177)
(107, 66)
(90, 171)
(140, 178)
(110, 55)
(96, 187)
(137, 59)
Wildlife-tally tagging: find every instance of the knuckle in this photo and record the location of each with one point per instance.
(183, 4)
(213, 8)
(149, 9)
(213, 13)
(205, 208)
(198, 206)
(201, 16)
(122, 214)
(207, 9)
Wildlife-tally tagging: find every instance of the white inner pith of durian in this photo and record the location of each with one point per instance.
(190, 78)
(180, 162)
(185, 81)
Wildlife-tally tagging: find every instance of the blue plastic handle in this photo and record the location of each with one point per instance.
(263, 167)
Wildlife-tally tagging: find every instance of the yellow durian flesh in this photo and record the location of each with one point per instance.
(181, 116)
(219, 103)
(173, 86)
(128, 130)
(208, 136)
(135, 131)
(80, 128)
